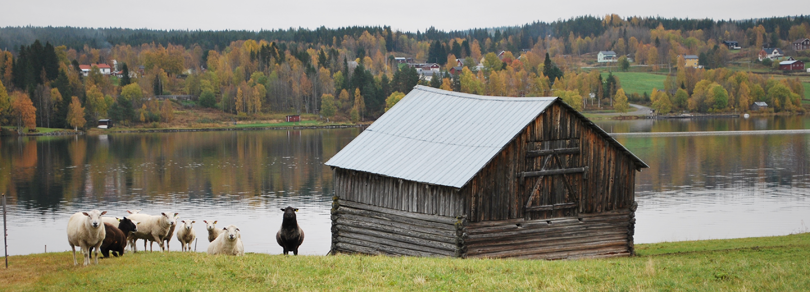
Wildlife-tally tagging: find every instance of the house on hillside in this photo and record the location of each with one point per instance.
(770, 53)
(732, 45)
(103, 68)
(801, 44)
(499, 177)
(691, 61)
(794, 65)
(606, 57)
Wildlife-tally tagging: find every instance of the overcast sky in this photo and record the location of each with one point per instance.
(400, 15)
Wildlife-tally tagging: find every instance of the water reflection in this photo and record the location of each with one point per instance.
(240, 178)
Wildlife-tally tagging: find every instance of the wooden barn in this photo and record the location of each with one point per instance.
(460, 175)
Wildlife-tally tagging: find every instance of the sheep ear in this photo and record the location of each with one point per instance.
(282, 210)
(85, 214)
(119, 219)
(164, 214)
(102, 213)
(175, 214)
(215, 222)
(206, 222)
(192, 222)
(296, 210)
(237, 229)
(224, 228)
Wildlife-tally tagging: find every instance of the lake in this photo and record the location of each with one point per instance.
(700, 187)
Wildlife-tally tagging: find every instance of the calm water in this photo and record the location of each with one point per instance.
(696, 188)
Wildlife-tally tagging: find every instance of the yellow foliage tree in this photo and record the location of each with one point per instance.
(75, 116)
(23, 109)
(392, 99)
(447, 84)
(620, 103)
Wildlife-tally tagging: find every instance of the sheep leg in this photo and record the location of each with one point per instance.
(159, 241)
(73, 247)
(85, 254)
(105, 252)
(295, 251)
(98, 247)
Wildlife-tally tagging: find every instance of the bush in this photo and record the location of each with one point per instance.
(208, 99)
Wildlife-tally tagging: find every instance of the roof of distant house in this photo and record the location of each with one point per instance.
(788, 62)
(760, 103)
(771, 50)
(801, 40)
(690, 57)
(607, 52)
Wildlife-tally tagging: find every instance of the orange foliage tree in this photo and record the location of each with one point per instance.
(23, 110)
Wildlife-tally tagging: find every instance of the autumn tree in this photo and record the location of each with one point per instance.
(328, 107)
(359, 103)
(621, 102)
(75, 117)
(23, 110)
(681, 99)
(661, 102)
(393, 99)
(4, 101)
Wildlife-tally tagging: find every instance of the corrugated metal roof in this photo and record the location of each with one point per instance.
(441, 137)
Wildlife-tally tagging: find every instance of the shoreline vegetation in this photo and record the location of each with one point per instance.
(225, 122)
(778, 263)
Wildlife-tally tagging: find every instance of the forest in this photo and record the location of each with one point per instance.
(351, 74)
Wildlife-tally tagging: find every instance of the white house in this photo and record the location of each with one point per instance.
(606, 57)
(103, 68)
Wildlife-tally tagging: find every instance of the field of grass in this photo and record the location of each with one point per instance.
(639, 82)
(752, 264)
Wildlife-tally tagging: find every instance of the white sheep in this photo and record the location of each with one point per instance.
(213, 232)
(86, 230)
(169, 236)
(229, 242)
(186, 235)
(152, 228)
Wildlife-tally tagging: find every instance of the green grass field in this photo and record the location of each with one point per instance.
(751, 264)
(639, 82)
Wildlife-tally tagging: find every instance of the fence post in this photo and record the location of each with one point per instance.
(5, 231)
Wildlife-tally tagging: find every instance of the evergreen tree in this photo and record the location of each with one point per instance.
(125, 80)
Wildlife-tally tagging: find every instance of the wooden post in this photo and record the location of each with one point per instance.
(5, 231)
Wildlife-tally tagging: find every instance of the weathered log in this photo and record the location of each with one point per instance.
(446, 243)
(376, 241)
(555, 242)
(547, 250)
(425, 217)
(548, 237)
(363, 247)
(544, 226)
(533, 232)
(384, 224)
(560, 151)
(579, 254)
(526, 174)
(551, 207)
(395, 218)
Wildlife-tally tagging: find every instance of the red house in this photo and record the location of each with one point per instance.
(793, 65)
(293, 118)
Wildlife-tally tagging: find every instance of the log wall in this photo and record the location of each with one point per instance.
(604, 234)
(366, 229)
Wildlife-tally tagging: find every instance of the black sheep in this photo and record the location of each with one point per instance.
(116, 238)
(291, 235)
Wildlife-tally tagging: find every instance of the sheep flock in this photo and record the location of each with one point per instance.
(92, 232)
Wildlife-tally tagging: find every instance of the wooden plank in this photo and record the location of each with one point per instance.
(377, 241)
(526, 174)
(562, 206)
(542, 250)
(383, 249)
(431, 218)
(561, 151)
(383, 223)
(558, 242)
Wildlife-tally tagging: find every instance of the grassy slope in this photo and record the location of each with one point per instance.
(757, 264)
(639, 82)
